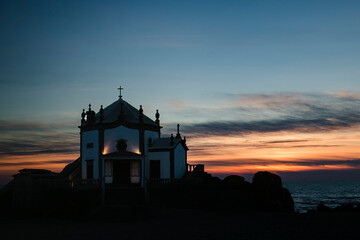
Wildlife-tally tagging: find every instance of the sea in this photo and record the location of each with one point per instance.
(308, 195)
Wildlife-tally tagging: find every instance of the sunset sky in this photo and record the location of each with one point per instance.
(255, 85)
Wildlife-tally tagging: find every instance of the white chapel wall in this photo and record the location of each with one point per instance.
(121, 132)
(150, 134)
(90, 137)
(164, 158)
(179, 161)
(153, 135)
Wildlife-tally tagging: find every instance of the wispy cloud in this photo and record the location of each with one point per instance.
(347, 95)
(267, 101)
(300, 125)
(265, 162)
(11, 126)
(29, 163)
(161, 40)
(280, 112)
(28, 138)
(177, 103)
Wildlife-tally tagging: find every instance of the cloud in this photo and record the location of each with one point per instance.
(264, 162)
(317, 162)
(11, 126)
(355, 96)
(3, 164)
(298, 125)
(288, 141)
(39, 144)
(177, 104)
(267, 101)
(280, 112)
(28, 138)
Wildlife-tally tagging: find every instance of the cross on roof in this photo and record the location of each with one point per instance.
(120, 88)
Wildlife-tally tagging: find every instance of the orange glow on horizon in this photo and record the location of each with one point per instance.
(281, 151)
(10, 165)
(284, 151)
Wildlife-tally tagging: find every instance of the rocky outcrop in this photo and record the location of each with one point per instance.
(233, 194)
(267, 180)
(43, 193)
(271, 195)
(343, 208)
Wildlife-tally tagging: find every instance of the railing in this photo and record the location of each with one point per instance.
(86, 183)
(195, 168)
(164, 180)
(168, 182)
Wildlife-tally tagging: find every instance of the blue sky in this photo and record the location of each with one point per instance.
(173, 49)
(190, 59)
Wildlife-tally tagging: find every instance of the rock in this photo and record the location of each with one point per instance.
(267, 180)
(234, 180)
(271, 196)
(347, 207)
(288, 204)
(215, 180)
(322, 208)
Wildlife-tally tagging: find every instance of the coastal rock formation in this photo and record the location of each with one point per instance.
(271, 196)
(45, 194)
(343, 208)
(267, 180)
(233, 194)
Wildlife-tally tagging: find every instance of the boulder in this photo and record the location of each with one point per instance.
(271, 196)
(322, 208)
(267, 180)
(234, 180)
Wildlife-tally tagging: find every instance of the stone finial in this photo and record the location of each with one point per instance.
(157, 116)
(101, 113)
(178, 131)
(90, 116)
(83, 114)
(141, 116)
(184, 140)
(171, 140)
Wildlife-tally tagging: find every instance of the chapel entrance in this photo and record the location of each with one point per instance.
(121, 172)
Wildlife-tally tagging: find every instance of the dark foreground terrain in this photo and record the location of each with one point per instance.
(188, 224)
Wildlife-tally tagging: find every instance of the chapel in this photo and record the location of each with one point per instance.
(121, 145)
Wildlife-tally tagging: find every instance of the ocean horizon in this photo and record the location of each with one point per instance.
(308, 195)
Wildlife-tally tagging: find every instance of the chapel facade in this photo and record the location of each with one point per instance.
(121, 145)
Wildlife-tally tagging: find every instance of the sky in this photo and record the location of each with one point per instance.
(255, 85)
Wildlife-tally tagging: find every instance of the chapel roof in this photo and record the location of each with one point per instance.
(166, 143)
(128, 114)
